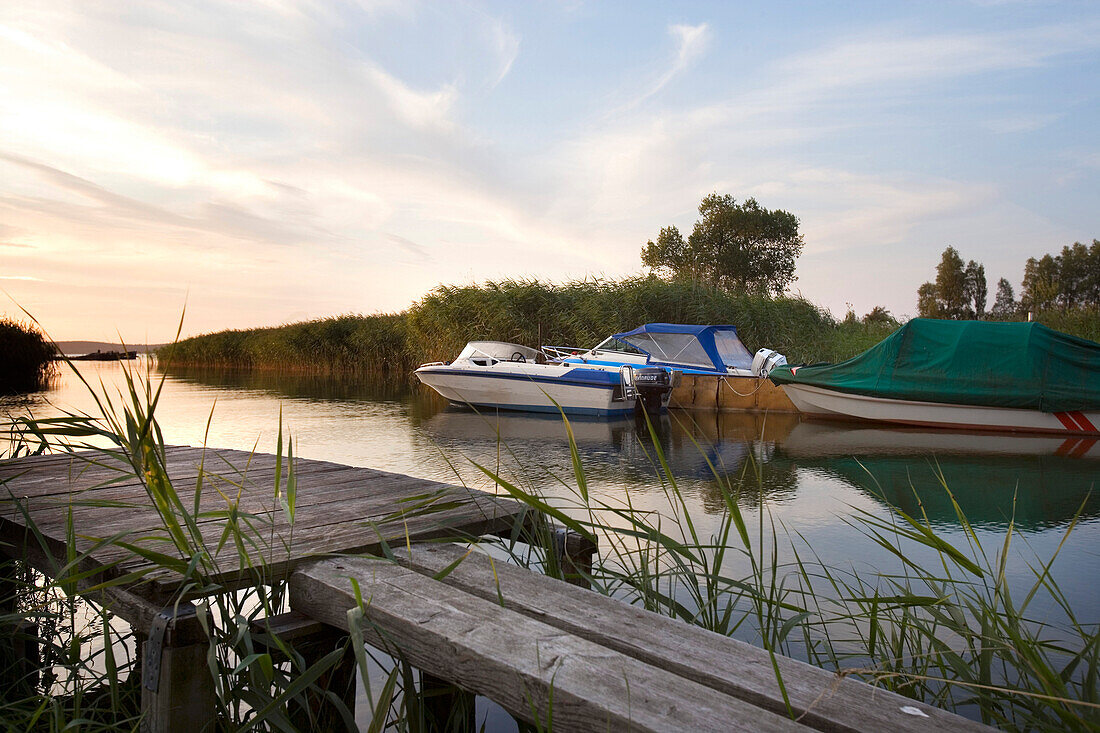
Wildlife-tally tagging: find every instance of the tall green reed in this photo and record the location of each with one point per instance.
(947, 630)
(266, 686)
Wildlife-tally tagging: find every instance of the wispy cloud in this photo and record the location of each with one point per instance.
(890, 56)
(691, 42)
(409, 246)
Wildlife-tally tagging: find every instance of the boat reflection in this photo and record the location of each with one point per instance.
(1035, 481)
(707, 451)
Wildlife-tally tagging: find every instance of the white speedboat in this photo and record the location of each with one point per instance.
(962, 375)
(510, 376)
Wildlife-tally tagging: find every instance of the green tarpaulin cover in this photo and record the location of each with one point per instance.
(1024, 365)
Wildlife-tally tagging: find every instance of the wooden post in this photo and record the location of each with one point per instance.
(177, 689)
(313, 640)
(19, 659)
(574, 552)
(446, 707)
(339, 680)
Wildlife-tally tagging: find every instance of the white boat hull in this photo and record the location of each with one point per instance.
(827, 403)
(531, 387)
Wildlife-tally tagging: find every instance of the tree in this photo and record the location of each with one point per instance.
(951, 286)
(1040, 287)
(1004, 305)
(878, 314)
(975, 287)
(742, 247)
(670, 252)
(958, 292)
(1092, 277)
(928, 305)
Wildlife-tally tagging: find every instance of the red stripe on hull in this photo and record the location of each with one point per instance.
(975, 427)
(1067, 419)
(1084, 422)
(1066, 449)
(1082, 448)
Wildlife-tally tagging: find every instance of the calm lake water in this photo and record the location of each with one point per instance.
(811, 479)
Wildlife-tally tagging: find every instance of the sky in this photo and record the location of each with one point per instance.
(244, 164)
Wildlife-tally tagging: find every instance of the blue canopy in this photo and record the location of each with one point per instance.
(714, 348)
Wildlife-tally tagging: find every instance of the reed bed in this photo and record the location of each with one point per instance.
(1083, 321)
(946, 632)
(577, 313)
(27, 362)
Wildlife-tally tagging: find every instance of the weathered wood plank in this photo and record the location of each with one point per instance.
(339, 539)
(535, 671)
(339, 509)
(821, 699)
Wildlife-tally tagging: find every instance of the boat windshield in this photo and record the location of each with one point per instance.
(613, 344)
(674, 348)
(734, 353)
(713, 348)
(498, 351)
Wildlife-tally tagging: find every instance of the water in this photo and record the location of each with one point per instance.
(811, 479)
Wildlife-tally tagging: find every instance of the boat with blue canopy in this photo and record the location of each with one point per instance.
(637, 368)
(690, 349)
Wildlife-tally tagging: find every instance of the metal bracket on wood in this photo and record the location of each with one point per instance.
(154, 645)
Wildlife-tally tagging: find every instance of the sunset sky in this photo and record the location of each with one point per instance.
(274, 161)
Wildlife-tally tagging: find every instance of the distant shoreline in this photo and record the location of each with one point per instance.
(82, 348)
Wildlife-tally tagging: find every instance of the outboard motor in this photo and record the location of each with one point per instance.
(766, 360)
(653, 385)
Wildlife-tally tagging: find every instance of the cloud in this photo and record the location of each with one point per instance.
(886, 56)
(233, 148)
(691, 43)
(1021, 123)
(409, 246)
(505, 42)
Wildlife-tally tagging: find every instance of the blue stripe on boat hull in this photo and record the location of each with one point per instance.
(594, 412)
(598, 380)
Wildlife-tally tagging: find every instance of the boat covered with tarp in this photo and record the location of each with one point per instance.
(962, 374)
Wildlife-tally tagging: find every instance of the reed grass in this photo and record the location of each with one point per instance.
(26, 364)
(1083, 321)
(576, 313)
(949, 633)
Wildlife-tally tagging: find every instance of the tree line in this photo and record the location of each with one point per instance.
(1067, 281)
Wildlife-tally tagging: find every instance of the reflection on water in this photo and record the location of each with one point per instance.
(809, 477)
(1040, 481)
(352, 387)
(993, 478)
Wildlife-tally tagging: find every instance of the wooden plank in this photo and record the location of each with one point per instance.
(80, 474)
(336, 487)
(314, 533)
(820, 698)
(514, 659)
(343, 540)
(339, 509)
(317, 529)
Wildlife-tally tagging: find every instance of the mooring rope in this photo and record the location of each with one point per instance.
(749, 394)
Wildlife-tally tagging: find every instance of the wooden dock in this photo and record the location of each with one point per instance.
(730, 394)
(549, 652)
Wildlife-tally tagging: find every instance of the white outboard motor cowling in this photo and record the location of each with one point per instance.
(766, 360)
